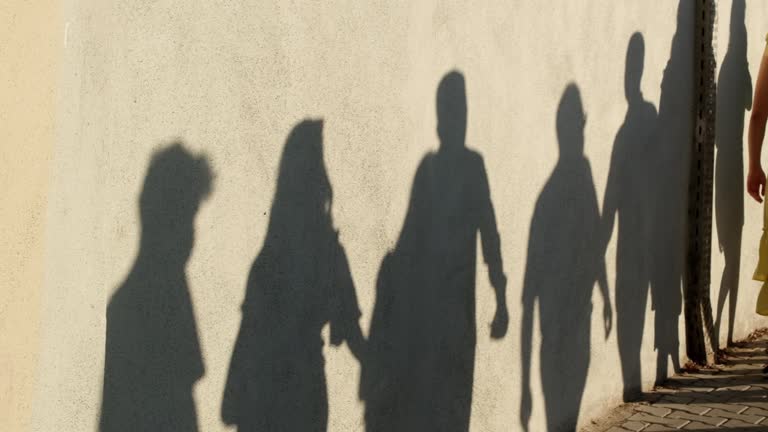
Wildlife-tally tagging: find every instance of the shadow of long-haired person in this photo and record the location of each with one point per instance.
(299, 282)
(153, 355)
(627, 198)
(734, 96)
(564, 261)
(420, 368)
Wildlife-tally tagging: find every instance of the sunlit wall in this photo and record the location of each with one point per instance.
(264, 232)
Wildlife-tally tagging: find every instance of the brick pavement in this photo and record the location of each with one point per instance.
(731, 397)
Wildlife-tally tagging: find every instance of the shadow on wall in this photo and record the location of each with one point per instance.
(668, 173)
(419, 372)
(299, 281)
(627, 197)
(564, 261)
(153, 356)
(647, 191)
(734, 96)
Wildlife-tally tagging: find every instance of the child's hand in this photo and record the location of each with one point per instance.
(756, 183)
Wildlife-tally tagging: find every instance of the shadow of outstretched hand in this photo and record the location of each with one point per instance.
(500, 323)
(526, 406)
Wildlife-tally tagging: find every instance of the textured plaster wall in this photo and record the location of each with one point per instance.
(231, 80)
(741, 44)
(31, 35)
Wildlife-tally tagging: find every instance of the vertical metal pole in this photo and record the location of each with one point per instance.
(698, 309)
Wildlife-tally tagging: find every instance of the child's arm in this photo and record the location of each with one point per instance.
(756, 176)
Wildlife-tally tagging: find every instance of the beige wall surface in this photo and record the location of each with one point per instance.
(31, 35)
(232, 80)
(738, 218)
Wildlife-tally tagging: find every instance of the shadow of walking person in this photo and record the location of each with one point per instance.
(564, 262)
(153, 357)
(420, 369)
(627, 197)
(299, 282)
(670, 155)
(734, 96)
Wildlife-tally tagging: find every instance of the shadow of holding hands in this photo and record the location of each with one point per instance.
(299, 282)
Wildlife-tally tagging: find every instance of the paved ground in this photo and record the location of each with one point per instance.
(731, 397)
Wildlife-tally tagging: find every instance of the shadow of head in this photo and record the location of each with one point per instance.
(634, 68)
(570, 123)
(738, 28)
(303, 184)
(452, 110)
(176, 183)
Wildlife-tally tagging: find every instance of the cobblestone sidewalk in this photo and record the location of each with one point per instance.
(732, 397)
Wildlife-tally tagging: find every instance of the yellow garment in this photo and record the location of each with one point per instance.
(761, 272)
(762, 300)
